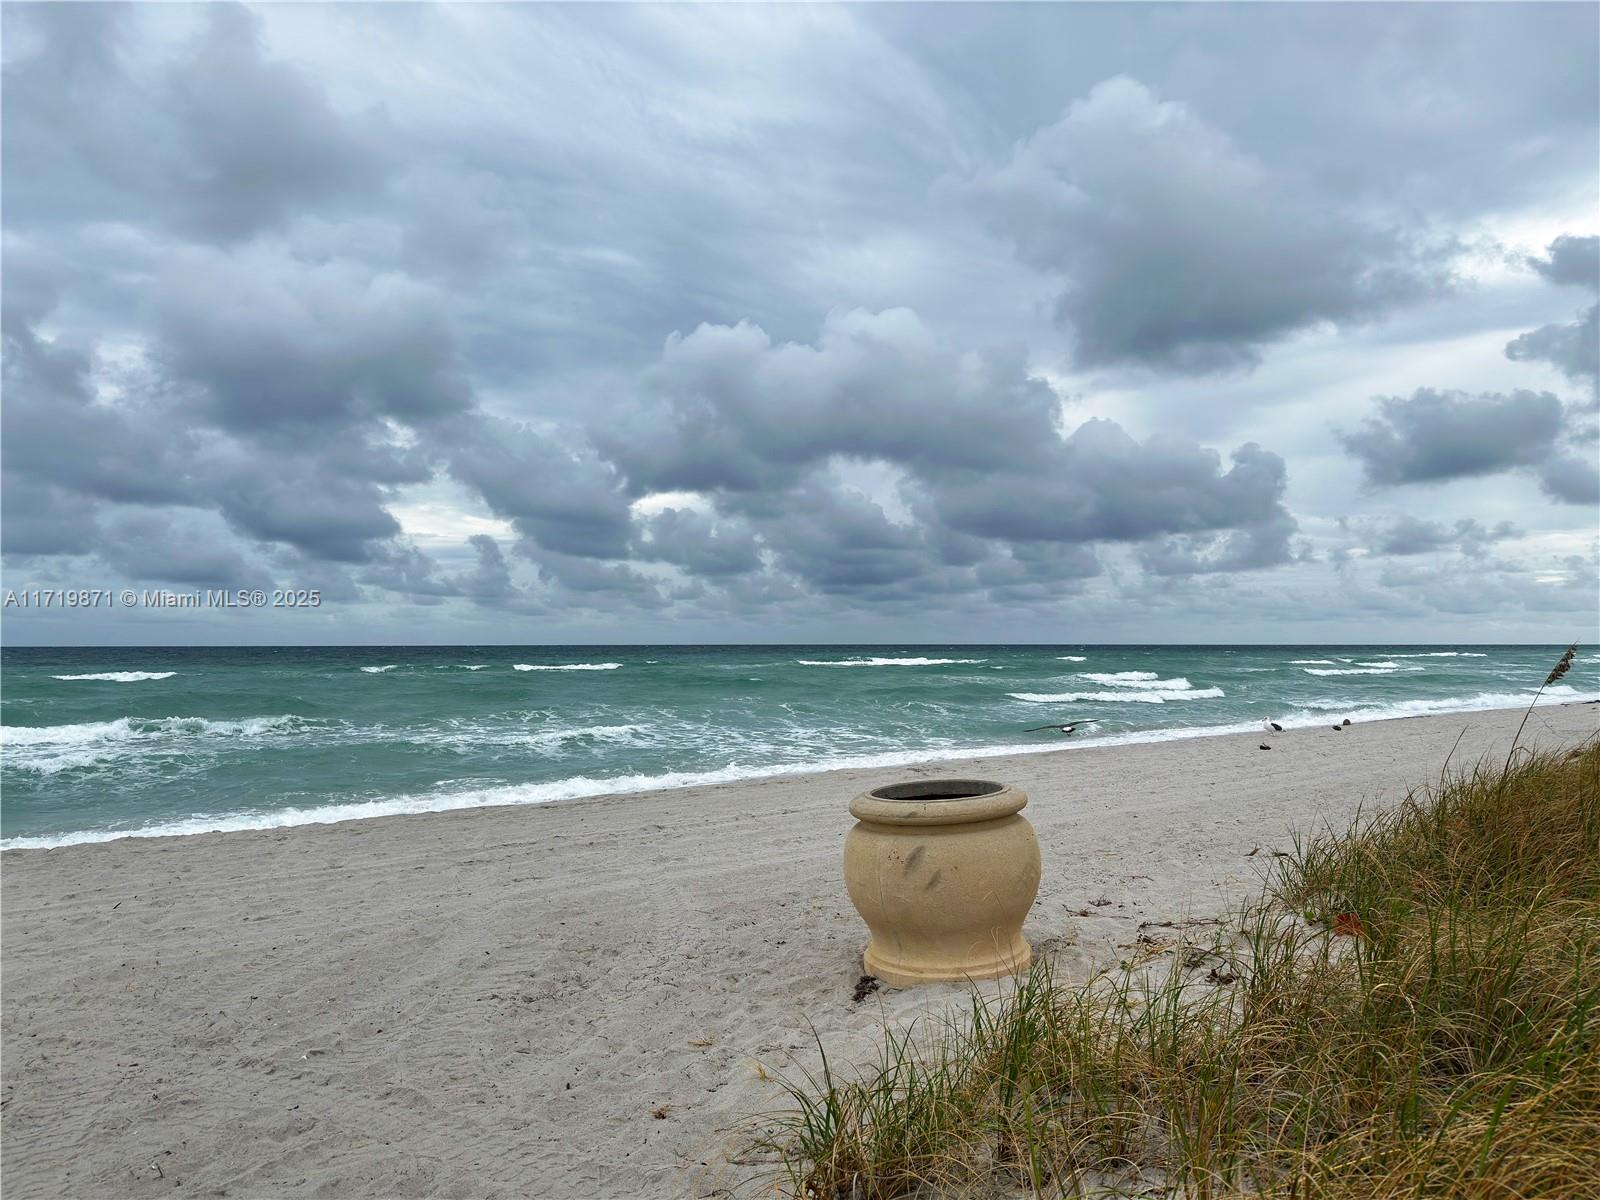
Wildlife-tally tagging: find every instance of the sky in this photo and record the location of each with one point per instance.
(871, 323)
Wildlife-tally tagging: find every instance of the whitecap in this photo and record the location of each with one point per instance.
(121, 676)
(1071, 658)
(379, 670)
(47, 749)
(1138, 679)
(1350, 670)
(888, 662)
(1151, 696)
(566, 667)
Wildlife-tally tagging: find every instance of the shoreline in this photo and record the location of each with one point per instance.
(594, 790)
(578, 999)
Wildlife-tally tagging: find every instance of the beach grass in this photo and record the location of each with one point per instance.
(1410, 1007)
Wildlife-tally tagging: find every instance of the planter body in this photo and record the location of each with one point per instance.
(943, 872)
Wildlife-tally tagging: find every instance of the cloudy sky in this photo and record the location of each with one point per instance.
(872, 323)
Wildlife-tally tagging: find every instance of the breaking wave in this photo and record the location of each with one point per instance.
(887, 662)
(1138, 679)
(120, 676)
(47, 749)
(566, 667)
(1150, 696)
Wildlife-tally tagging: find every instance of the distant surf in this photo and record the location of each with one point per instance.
(237, 738)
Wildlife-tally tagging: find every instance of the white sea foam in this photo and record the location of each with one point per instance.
(1151, 696)
(1139, 679)
(1072, 658)
(1424, 707)
(379, 670)
(887, 662)
(1350, 670)
(477, 737)
(1382, 663)
(566, 667)
(47, 749)
(1311, 662)
(120, 676)
(1443, 654)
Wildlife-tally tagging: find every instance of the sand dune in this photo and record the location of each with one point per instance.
(498, 1001)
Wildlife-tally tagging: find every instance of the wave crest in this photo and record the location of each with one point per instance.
(888, 662)
(120, 676)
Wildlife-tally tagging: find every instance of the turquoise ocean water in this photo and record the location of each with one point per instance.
(103, 743)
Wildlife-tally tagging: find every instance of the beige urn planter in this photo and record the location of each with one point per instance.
(943, 871)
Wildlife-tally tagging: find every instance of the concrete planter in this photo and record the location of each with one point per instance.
(943, 871)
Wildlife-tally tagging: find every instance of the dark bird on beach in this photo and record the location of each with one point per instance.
(1264, 746)
(1338, 728)
(1068, 728)
(1346, 721)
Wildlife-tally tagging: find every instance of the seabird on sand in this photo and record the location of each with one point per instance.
(1272, 725)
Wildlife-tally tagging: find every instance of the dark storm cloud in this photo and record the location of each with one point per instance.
(700, 544)
(1437, 435)
(182, 549)
(551, 490)
(275, 343)
(219, 143)
(730, 412)
(1180, 251)
(265, 297)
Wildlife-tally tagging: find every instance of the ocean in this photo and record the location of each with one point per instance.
(97, 744)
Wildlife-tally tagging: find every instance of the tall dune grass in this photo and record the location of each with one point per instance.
(1411, 1008)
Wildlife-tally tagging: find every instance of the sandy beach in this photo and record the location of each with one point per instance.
(579, 999)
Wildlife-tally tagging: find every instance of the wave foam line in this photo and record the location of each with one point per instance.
(566, 667)
(888, 662)
(1152, 696)
(379, 670)
(1350, 670)
(120, 676)
(47, 749)
(1138, 679)
(580, 787)
(1071, 658)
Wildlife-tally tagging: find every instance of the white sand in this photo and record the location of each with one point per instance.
(492, 1002)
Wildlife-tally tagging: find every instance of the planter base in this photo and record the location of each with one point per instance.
(904, 975)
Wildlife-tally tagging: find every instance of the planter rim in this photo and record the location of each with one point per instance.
(938, 802)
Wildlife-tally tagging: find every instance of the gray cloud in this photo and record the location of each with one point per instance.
(1437, 435)
(1571, 479)
(1410, 535)
(1573, 348)
(220, 143)
(1179, 250)
(260, 303)
(1571, 260)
